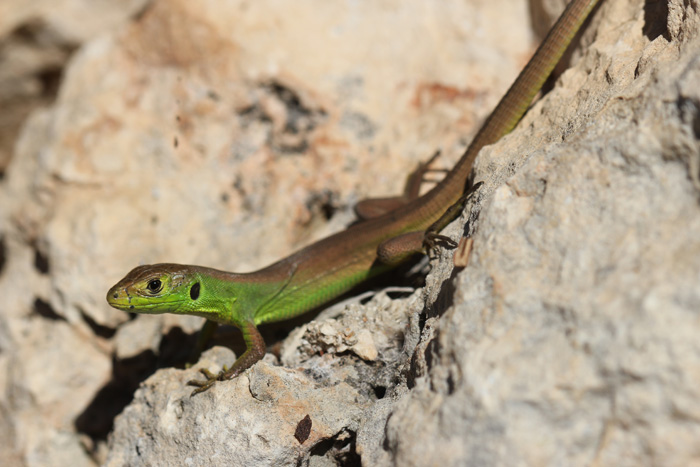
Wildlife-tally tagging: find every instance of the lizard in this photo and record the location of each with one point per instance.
(390, 233)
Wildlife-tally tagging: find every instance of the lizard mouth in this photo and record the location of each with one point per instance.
(122, 300)
(118, 298)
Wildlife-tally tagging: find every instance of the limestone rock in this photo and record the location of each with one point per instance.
(251, 421)
(572, 338)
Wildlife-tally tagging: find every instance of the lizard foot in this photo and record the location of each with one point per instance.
(211, 378)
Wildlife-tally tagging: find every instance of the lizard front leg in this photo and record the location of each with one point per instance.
(255, 351)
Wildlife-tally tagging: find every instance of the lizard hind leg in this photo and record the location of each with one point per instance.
(396, 249)
(375, 207)
(432, 239)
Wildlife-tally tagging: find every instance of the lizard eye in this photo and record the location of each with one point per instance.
(154, 285)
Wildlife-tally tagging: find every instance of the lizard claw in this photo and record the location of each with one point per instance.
(211, 378)
(433, 240)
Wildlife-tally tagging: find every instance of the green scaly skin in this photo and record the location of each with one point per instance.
(330, 267)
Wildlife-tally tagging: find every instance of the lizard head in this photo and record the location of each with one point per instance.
(157, 288)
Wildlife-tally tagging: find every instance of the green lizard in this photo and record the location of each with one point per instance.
(330, 267)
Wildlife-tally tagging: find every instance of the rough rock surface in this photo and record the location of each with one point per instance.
(36, 40)
(250, 422)
(572, 339)
(230, 133)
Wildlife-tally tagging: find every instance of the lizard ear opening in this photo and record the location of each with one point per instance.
(194, 291)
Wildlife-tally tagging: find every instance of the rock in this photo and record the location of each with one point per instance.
(572, 338)
(251, 421)
(37, 40)
(130, 338)
(377, 327)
